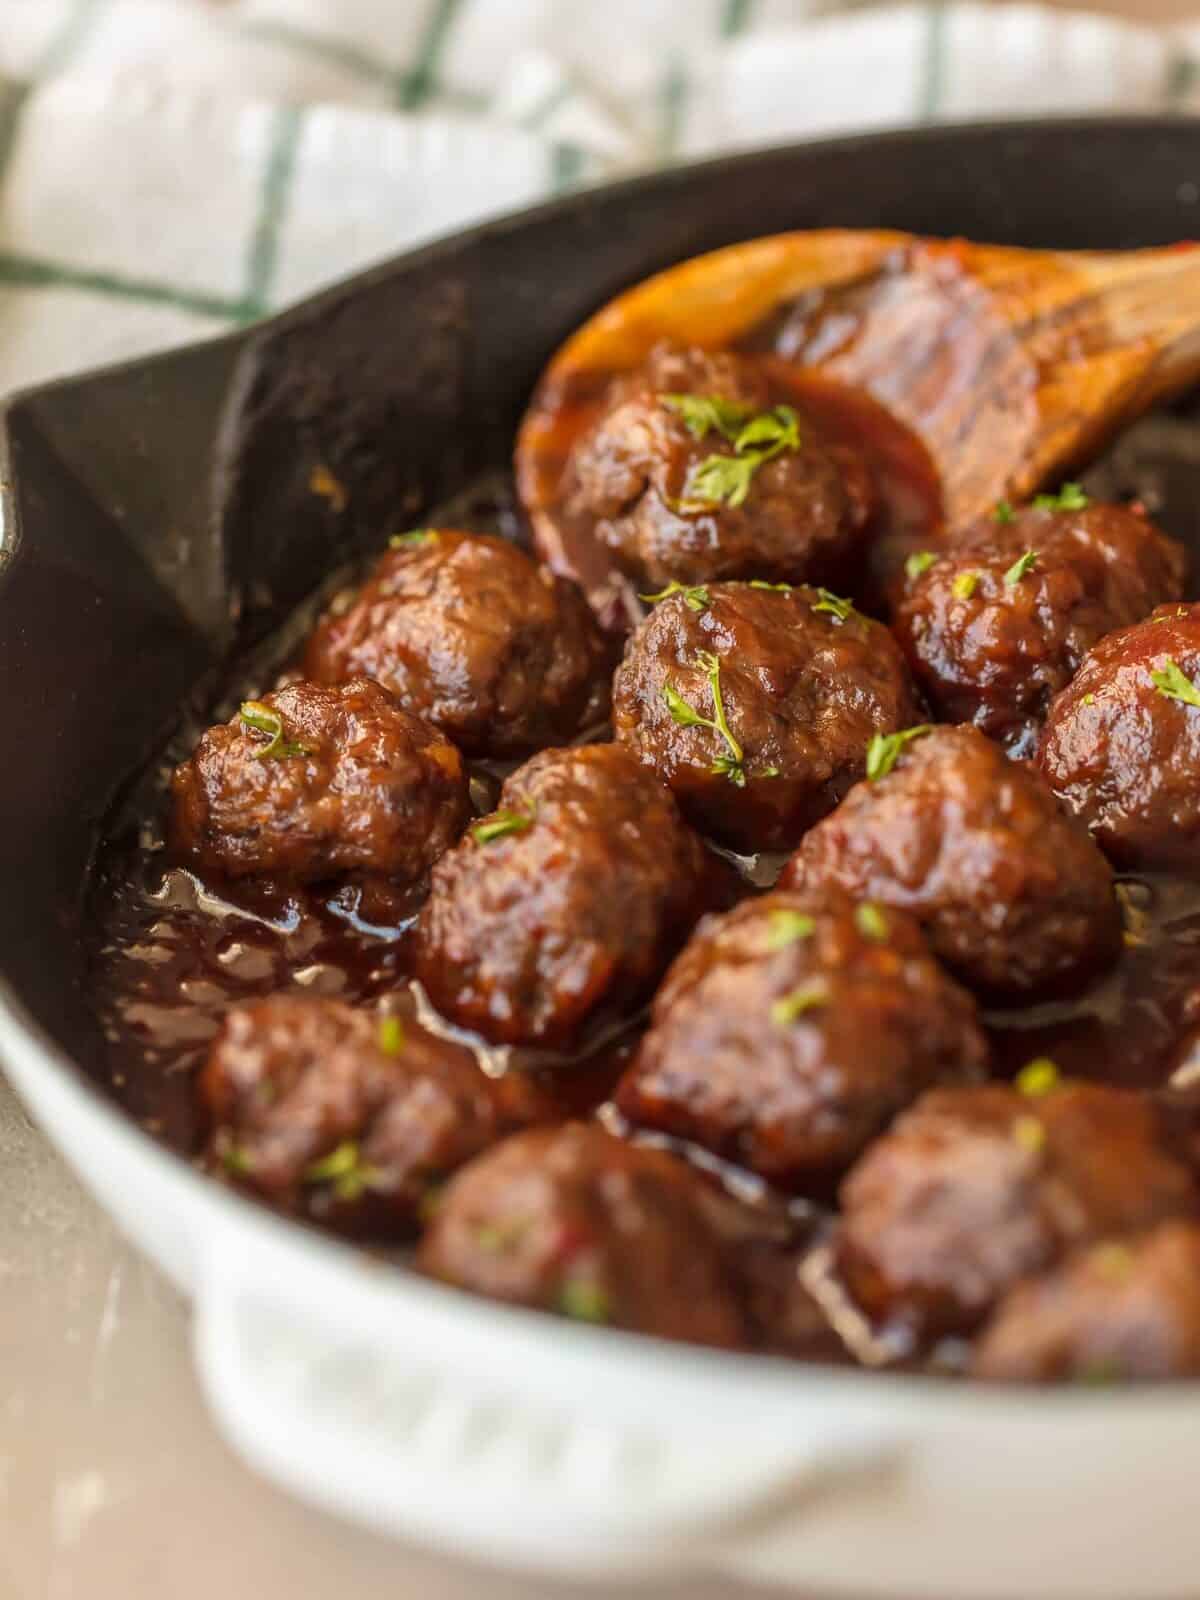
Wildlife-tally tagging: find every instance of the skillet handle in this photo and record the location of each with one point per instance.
(392, 1428)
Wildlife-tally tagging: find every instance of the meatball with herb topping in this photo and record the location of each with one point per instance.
(1121, 748)
(995, 627)
(1122, 1310)
(344, 1116)
(469, 633)
(756, 703)
(313, 782)
(565, 905)
(1013, 895)
(694, 472)
(973, 1189)
(574, 1221)
(790, 1031)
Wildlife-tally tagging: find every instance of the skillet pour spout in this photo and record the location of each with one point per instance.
(1009, 365)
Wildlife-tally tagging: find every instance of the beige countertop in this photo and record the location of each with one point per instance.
(113, 1484)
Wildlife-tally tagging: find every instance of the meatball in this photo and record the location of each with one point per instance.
(997, 626)
(756, 705)
(1013, 895)
(313, 781)
(790, 1032)
(343, 1115)
(573, 1220)
(567, 902)
(674, 488)
(1122, 1309)
(466, 631)
(1122, 742)
(975, 1188)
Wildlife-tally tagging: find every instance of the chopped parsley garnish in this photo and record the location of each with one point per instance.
(965, 585)
(236, 1160)
(721, 479)
(1038, 1077)
(258, 715)
(500, 824)
(920, 561)
(807, 997)
(843, 610)
(343, 1168)
(885, 749)
(695, 598)
(1029, 1133)
(871, 922)
(777, 588)
(786, 927)
(1022, 565)
(391, 1035)
(1089, 699)
(702, 413)
(1069, 498)
(497, 1237)
(1003, 511)
(1172, 683)
(400, 541)
(730, 765)
(584, 1300)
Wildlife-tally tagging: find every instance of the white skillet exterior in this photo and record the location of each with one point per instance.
(528, 1442)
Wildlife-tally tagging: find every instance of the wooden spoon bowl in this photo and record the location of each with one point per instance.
(1009, 366)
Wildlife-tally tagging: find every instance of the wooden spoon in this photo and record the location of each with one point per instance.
(1009, 365)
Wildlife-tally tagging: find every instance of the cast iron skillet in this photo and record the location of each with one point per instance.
(157, 517)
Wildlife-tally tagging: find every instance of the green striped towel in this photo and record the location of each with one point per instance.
(169, 169)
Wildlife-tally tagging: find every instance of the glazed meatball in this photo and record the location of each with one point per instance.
(1122, 1309)
(313, 781)
(567, 902)
(575, 1221)
(343, 1115)
(1013, 895)
(1122, 742)
(674, 490)
(756, 705)
(467, 632)
(975, 1188)
(996, 627)
(790, 1032)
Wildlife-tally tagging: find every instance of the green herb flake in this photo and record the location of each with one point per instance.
(1069, 498)
(775, 588)
(871, 922)
(702, 413)
(885, 749)
(236, 1161)
(344, 1170)
(257, 714)
(695, 598)
(786, 927)
(391, 1035)
(920, 561)
(1003, 511)
(415, 536)
(1038, 1077)
(498, 1237)
(807, 997)
(1029, 1133)
(500, 824)
(583, 1300)
(730, 765)
(1172, 684)
(725, 480)
(965, 585)
(841, 609)
(1089, 699)
(1112, 1260)
(1021, 566)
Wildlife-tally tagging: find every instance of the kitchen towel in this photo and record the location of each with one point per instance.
(171, 168)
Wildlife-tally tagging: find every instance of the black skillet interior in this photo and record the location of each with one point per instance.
(163, 514)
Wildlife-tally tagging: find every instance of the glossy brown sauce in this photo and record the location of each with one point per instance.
(170, 954)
